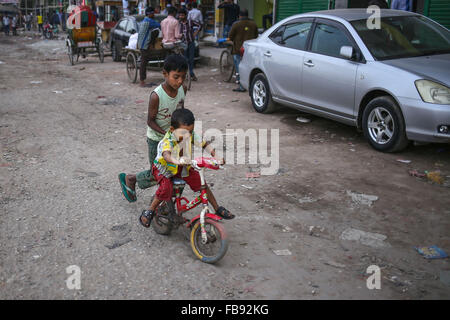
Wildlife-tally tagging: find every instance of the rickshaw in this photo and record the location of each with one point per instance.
(83, 37)
(158, 55)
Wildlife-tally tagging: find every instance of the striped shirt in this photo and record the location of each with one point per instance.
(187, 30)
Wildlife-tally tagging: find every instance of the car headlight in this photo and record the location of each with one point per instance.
(433, 92)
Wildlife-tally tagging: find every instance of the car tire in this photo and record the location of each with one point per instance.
(383, 125)
(260, 94)
(115, 52)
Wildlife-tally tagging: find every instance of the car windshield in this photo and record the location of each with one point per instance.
(403, 37)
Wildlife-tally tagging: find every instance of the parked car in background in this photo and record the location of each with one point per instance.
(392, 82)
(125, 27)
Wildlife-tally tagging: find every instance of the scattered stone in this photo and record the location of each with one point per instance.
(375, 240)
(362, 199)
(284, 252)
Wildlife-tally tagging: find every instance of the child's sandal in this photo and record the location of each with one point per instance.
(224, 213)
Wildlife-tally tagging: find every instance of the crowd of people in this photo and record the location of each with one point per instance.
(181, 25)
(184, 24)
(9, 23)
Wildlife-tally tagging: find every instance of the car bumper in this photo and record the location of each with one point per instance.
(423, 119)
(244, 75)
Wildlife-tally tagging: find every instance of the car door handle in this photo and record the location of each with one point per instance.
(267, 54)
(308, 63)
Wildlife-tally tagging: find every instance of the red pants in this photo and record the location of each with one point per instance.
(165, 190)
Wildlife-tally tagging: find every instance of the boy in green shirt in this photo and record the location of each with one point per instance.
(164, 100)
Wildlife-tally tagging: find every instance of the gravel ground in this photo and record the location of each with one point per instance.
(67, 131)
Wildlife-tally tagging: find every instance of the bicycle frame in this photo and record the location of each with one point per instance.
(189, 205)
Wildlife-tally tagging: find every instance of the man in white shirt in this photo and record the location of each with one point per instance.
(195, 14)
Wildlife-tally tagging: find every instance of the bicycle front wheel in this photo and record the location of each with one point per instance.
(226, 65)
(216, 245)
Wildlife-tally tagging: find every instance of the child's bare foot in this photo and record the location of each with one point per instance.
(130, 181)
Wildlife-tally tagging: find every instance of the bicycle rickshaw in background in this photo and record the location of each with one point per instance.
(83, 37)
(157, 57)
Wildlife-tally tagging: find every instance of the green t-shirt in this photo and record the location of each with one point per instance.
(167, 105)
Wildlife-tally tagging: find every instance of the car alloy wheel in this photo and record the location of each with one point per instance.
(381, 125)
(384, 126)
(259, 94)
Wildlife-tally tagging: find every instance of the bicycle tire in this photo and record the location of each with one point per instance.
(162, 223)
(222, 241)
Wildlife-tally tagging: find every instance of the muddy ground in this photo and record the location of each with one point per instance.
(67, 131)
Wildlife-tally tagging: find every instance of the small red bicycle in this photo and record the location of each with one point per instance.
(209, 240)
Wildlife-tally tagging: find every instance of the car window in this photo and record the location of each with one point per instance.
(295, 35)
(122, 25)
(328, 40)
(277, 34)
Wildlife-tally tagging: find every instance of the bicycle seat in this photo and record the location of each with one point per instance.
(179, 182)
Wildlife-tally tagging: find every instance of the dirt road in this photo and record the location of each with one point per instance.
(67, 131)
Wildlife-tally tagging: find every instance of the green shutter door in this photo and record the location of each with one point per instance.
(314, 5)
(439, 11)
(286, 8)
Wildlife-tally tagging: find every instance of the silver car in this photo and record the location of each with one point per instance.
(388, 76)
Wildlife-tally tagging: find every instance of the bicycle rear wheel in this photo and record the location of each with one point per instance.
(217, 241)
(162, 221)
(226, 65)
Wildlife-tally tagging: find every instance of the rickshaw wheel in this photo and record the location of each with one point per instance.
(226, 66)
(188, 80)
(132, 68)
(70, 54)
(101, 53)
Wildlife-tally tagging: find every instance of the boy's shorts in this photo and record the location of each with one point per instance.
(165, 189)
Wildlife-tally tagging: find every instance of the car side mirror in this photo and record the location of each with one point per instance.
(347, 52)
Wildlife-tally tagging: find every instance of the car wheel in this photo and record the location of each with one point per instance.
(384, 126)
(260, 94)
(115, 52)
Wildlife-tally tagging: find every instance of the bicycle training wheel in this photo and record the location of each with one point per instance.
(216, 245)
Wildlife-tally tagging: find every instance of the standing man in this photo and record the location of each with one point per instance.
(39, 21)
(28, 22)
(170, 27)
(231, 15)
(405, 5)
(146, 42)
(242, 30)
(6, 23)
(188, 36)
(195, 14)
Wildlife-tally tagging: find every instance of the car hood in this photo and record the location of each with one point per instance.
(435, 67)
